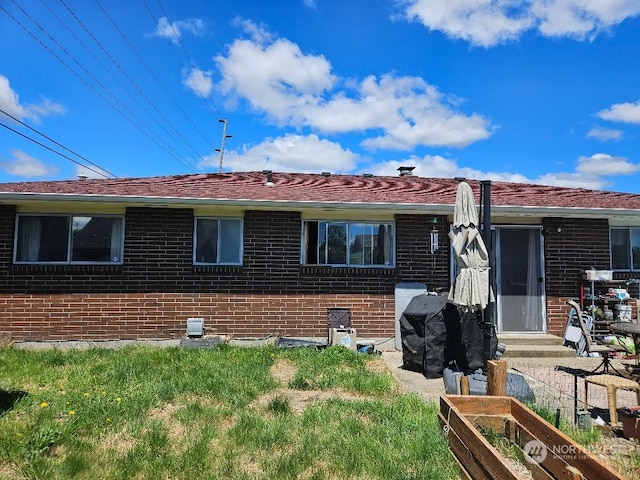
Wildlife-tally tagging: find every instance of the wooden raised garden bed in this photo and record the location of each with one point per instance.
(547, 452)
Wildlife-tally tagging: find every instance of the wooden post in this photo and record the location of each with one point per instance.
(464, 385)
(497, 378)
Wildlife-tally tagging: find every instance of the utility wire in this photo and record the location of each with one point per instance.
(153, 75)
(57, 57)
(57, 143)
(88, 50)
(52, 150)
(210, 104)
(125, 74)
(208, 101)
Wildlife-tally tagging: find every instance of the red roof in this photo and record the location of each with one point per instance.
(318, 188)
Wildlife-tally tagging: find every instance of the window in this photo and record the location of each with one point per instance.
(348, 243)
(69, 239)
(218, 241)
(625, 248)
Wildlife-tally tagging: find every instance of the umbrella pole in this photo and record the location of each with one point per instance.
(487, 313)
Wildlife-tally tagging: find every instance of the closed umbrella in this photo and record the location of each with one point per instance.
(471, 289)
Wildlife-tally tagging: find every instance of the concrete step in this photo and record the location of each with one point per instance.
(538, 351)
(529, 339)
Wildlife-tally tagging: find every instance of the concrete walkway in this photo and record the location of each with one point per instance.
(553, 387)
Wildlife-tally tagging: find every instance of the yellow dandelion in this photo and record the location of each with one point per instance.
(118, 399)
(108, 420)
(44, 405)
(72, 412)
(103, 393)
(86, 394)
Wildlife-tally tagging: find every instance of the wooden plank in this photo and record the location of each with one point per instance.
(479, 404)
(497, 378)
(555, 465)
(574, 474)
(539, 473)
(496, 423)
(492, 461)
(463, 472)
(464, 385)
(574, 454)
(463, 455)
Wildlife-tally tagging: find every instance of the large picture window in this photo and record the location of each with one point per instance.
(625, 248)
(218, 241)
(357, 244)
(69, 239)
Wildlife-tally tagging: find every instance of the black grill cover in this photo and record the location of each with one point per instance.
(434, 335)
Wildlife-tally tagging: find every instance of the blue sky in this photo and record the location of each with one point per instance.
(543, 91)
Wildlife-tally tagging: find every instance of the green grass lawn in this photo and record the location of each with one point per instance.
(223, 413)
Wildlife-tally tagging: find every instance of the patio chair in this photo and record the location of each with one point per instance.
(591, 346)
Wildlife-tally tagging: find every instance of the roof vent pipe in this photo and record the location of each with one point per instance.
(326, 174)
(406, 171)
(269, 175)
(82, 176)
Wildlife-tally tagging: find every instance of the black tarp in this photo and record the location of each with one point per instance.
(435, 335)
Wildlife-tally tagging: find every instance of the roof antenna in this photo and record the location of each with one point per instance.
(224, 140)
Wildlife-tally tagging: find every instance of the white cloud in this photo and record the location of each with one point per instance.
(604, 164)
(290, 153)
(604, 134)
(173, 31)
(198, 81)
(481, 22)
(489, 22)
(23, 165)
(296, 89)
(310, 3)
(276, 76)
(622, 112)
(10, 103)
(591, 172)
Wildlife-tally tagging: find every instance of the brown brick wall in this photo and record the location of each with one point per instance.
(581, 244)
(158, 288)
(164, 315)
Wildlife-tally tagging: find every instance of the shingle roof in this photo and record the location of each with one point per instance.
(318, 188)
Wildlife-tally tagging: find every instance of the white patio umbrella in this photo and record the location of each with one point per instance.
(471, 289)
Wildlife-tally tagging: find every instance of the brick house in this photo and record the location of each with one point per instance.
(257, 254)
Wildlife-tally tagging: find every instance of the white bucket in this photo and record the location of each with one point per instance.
(623, 312)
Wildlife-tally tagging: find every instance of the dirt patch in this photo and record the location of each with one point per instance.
(176, 431)
(283, 371)
(299, 400)
(118, 442)
(378, 366)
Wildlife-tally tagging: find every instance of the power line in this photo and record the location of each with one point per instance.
(210, 104)
(125, 74)
(153, 75)
(57, 143)
(57, 57)
(52, 150)
(83, 44)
